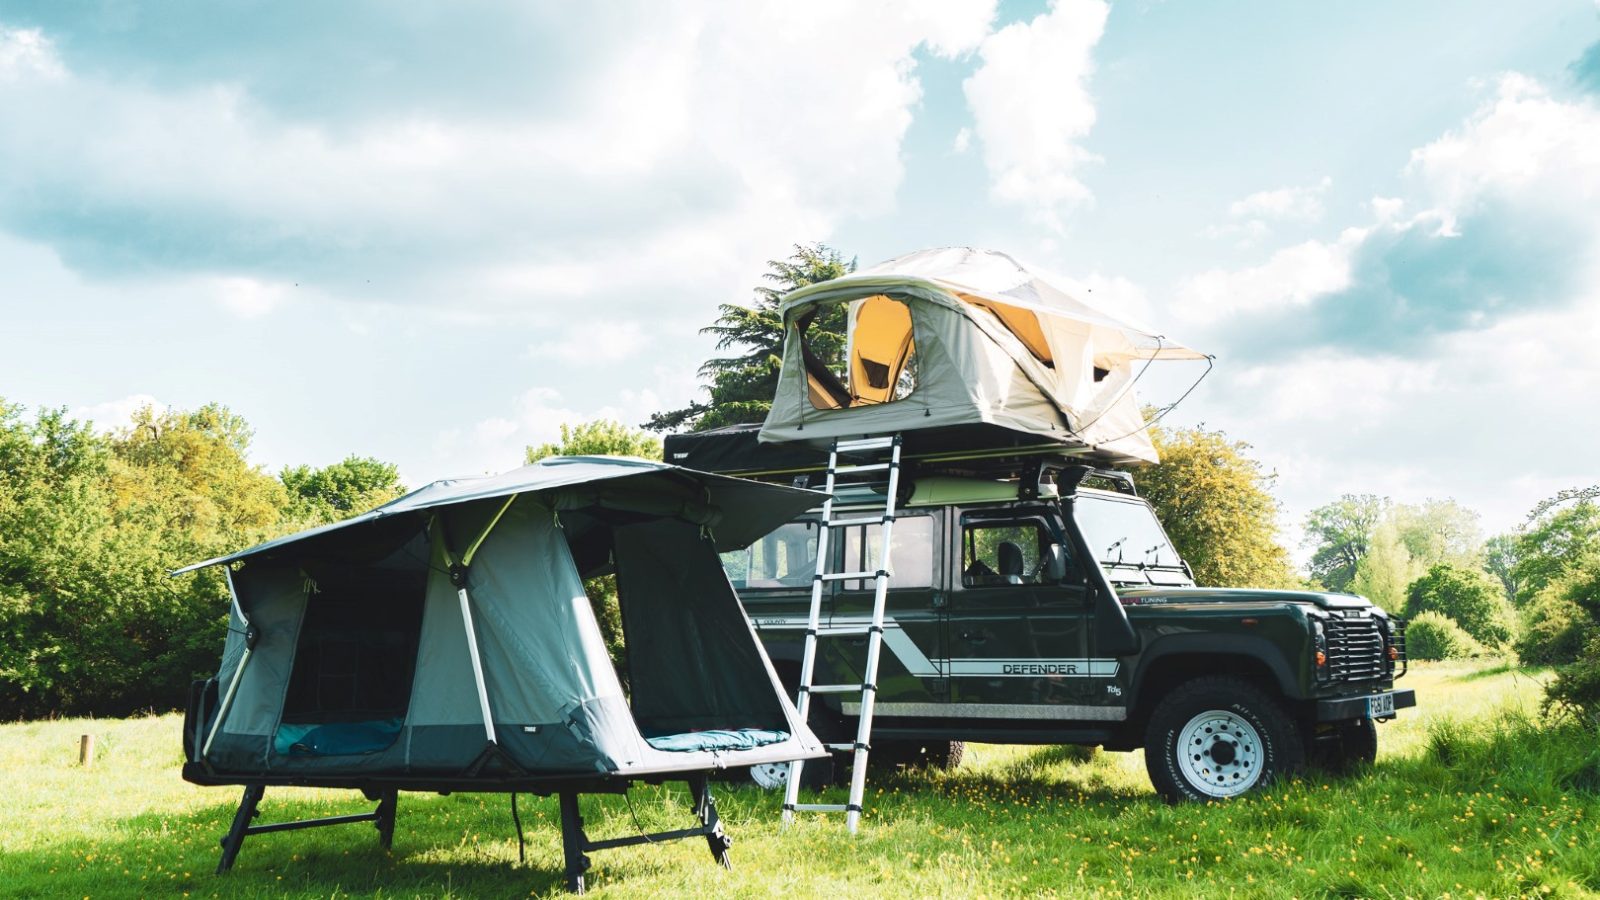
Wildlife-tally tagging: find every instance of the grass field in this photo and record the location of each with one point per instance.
(1469, 798)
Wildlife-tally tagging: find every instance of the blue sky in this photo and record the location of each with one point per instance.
(433, 232)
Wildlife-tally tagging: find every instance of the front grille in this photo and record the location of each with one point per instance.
(1355, 649)
(1399, 639)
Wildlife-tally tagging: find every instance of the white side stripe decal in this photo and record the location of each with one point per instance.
(917, 663)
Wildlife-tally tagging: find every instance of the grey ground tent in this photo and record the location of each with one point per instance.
(444, 642)
(962, 338)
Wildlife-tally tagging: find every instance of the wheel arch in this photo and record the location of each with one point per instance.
(1174, 660)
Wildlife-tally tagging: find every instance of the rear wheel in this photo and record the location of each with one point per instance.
(1219, 737)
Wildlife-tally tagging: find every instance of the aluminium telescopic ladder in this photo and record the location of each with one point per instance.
(868, 687)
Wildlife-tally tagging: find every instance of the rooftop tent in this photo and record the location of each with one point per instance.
(444, 641)
(956, 337)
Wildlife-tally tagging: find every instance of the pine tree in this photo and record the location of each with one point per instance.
(741, 386)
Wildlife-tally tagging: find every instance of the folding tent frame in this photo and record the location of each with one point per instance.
(575, 839)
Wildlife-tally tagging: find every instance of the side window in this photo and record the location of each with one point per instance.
(1001, 552)
(786, 558)
(912, 558)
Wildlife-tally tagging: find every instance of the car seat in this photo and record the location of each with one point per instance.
(1012, 565)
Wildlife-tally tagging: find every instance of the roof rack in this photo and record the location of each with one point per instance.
(974, 451)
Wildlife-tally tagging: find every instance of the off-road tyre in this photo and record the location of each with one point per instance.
(941, 755)
(1234, 738)
(1340, 748)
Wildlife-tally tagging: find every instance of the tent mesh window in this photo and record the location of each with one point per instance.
(879, 364)
(350, 685)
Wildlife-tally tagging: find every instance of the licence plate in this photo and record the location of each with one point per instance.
(1380, 705)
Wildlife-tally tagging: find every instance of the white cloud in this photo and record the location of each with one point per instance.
(1252, 218)
(1031, 107)
(25, 53)
(963, 141)
(662, 163)
(1293, 276)
(1493, 407)
(114, 414)
(1286, 204)
(497, 443)
(592, 342)
(1522, 144)
(248, 298)
(1522, 150)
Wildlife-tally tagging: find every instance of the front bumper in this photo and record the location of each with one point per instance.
(1342, 708)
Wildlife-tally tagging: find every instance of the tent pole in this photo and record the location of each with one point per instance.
(233, 684)
(458, 576)
(477, 664)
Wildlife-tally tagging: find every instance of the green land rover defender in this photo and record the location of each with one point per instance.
(1051, 608)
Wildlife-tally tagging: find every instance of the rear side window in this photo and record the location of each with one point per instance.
(911, 559)
(1001, 552)
(786, 558)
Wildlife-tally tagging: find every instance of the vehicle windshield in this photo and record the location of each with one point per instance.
(1127, 540)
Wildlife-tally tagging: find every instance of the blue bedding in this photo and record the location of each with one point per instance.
(741, 739)
(336, 738)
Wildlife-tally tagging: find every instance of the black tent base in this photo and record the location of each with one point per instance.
(576, 843)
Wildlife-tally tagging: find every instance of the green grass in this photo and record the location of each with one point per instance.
(1469, 797)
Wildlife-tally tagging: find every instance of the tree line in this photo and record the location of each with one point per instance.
(90, 525)
(91, 522)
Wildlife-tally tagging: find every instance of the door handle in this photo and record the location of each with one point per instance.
(974, 637)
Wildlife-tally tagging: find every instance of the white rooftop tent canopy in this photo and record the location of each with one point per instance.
(954, 337)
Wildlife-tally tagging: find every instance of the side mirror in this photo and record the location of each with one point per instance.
(1055, 564)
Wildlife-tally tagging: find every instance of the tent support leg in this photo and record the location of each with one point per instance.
(384, 818)
(705, 809)
(241, 826)
(573, 842)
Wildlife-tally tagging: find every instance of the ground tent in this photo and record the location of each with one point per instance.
(444, 642)
(957, 338)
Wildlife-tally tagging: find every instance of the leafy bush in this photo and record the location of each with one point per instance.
(1430, 635)
(1554, 631)
(1465, 595)
(1576, 688)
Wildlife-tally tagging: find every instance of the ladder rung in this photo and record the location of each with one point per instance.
(858, 520)
(846, 747)
(835, 688)
(821, 807)
(864, 444)
(849, 576)
(864, 467)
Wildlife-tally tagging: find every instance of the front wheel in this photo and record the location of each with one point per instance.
(1218, 737)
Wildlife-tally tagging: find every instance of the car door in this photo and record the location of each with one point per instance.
(1017, 634)
(909, 676)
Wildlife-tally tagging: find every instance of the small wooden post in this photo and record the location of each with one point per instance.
(86, 750)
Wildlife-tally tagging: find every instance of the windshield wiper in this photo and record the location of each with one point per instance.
(1114, 546)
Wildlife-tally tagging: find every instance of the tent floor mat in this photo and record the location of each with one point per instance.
(575, 841)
